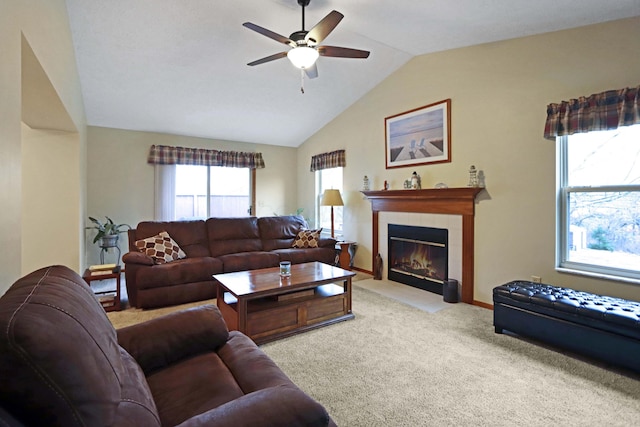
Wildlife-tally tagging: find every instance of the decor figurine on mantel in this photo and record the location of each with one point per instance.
(473, 177)
(416, 183)
(365, 183)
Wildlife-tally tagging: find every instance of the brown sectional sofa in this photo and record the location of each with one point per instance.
(217, 245)
(63, 364)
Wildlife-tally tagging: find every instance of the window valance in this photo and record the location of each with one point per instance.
(166, 155)
(334, 159)
(601, 111)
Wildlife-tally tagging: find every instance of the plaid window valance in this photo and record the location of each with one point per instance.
(602, 111)
(334, 159)
(166, 155)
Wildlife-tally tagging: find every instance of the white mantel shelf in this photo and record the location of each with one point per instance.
(450, 201)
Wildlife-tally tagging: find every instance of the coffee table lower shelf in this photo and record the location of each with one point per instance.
(273, 317)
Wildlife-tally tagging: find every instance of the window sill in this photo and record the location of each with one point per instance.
(601, 276)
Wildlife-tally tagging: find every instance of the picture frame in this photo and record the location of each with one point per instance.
(420, 136)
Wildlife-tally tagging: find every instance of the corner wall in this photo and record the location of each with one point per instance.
(51, 189)
(46, 27)
(499, 94)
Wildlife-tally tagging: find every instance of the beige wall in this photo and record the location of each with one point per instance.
(50, 199)
(499, 94)
(121, 183)
(44, 25)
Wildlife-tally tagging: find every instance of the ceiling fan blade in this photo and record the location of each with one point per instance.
(342, 52)
(275, 36)
(268, 58)
(324, 27)
(312, 72)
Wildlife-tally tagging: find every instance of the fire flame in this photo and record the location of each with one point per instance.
(416, 261)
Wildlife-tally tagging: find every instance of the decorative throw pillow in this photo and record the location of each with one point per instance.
(162, 248)
(307, 239)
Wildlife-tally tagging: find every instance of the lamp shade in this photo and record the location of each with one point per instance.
(331, 198)
(303, 56)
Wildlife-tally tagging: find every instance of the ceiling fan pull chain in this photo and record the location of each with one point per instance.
(302, 80)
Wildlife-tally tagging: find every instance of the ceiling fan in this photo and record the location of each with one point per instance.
(305, 44)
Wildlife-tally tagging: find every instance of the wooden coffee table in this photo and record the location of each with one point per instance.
(266, 306)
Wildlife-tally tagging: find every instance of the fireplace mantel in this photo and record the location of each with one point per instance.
(449, 201)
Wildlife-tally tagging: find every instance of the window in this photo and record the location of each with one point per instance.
(328, 179)
(212, 191)
(599, 202)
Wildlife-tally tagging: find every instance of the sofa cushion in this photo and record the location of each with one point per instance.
(233, 235)
(165, 340)
(191, 236)
(181, 395)
(307, 239)
(161, 248)
(278, 232)
(185, 270)
(249, 261)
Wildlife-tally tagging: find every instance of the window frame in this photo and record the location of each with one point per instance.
(564, 191)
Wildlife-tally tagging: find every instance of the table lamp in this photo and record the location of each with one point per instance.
(331, 198)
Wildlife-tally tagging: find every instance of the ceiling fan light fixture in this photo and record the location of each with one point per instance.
(303, 57)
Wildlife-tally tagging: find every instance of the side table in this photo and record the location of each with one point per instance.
(346, 252)
(110, 299)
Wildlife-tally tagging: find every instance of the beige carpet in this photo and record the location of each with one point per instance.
(397, 365)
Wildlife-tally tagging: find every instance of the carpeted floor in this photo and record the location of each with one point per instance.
(397, 365)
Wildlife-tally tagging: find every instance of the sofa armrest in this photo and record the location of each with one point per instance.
(269, 407)
(326, 242)
(164, 340)
(137, 258)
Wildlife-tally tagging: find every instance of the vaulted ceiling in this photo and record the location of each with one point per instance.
(179, 66)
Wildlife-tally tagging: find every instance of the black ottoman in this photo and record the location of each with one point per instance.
(597, 326)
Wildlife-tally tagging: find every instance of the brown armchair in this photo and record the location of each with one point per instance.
(63, 363)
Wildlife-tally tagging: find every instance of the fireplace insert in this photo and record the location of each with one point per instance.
(418, 256)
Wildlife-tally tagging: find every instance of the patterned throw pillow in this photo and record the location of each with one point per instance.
(307, 239)
(162, 248)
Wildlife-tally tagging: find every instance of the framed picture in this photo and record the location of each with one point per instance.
(420, 136)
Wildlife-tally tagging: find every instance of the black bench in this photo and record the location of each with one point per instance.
(597, 326)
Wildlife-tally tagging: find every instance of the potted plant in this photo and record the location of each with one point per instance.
(108, 232)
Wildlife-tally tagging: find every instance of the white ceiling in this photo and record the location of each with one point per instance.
(179, 66)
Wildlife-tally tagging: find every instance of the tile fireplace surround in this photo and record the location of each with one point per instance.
(450, 208)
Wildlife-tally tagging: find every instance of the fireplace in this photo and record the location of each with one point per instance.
(459, 202)
(418, 256)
